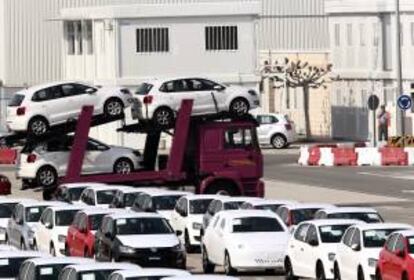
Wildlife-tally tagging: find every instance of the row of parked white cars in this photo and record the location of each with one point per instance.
(157, 228)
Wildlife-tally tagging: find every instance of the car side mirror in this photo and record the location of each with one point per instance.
(48, 225)
(218, 88)
(313, 242)
(400, 253)
(179, 232)
(90, 91)
(356, 247)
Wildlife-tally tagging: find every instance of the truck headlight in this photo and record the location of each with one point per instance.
(62, 238)
(372, 262)
(331, 257)
(197, 226)
(126, 249)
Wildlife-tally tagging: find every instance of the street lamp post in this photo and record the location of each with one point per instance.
(400, 113)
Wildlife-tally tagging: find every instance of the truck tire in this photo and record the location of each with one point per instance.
(223, 188)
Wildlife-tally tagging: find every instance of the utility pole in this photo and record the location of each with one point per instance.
(400, 113)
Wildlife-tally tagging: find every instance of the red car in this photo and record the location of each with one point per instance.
(396, 260)
(5, 185)
(80, 241)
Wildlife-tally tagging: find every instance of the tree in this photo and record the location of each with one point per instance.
(297, 74)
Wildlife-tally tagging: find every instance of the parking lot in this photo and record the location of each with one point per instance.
(389, 190)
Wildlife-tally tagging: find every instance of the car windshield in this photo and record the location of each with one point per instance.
(6, 209)
(256, 224)
(129, 199)
(375, 238)
(106, 196)
(96, 221)
(410, 240)
(144, 89)
(33, 213)
(16, 100)
(75, 193)
(199, 206)
(95, 275)
(301, 215)
(234, 205)
(9, 268)
(366, 217)
(65, 217)
(142, 226)
(165, 202)
(271, 207)
(332, 233)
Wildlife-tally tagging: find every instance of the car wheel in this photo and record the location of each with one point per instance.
(35, 248)
(228, 268)
(208, 267)
(52, 250)
(320, 272)
(163, 117)
(46, 176)
(113, 107)
(123, 166)
(278, 141)
(22, 245)
(289, 275)
(38, 126)
(239, 107)
(360, 274)
(223, 188)
(188, 248)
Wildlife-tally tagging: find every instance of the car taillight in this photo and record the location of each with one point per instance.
(288, 126)
(31, 158)
(148, 99)
(21, 111)
(125, 91)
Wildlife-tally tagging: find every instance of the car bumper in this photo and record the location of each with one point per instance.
(291, 136)
(26, 173)
(158, 258)
(251, 260)
(16, 124)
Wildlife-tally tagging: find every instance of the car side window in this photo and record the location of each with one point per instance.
(68, 90)
(175, 86)
(267, 119)
(82, 89)
(399, 244)
(41, 95)
(356, 238)
(92, 197)
(312, 234)
(346, 239)
(390, 243)
(55, 92)
(223, 223)
(300, 232)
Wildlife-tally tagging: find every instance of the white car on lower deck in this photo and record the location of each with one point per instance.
(358, 253)
(244, 240)
(98, 270)
(147, 274)
(159, 100)
(275, 130)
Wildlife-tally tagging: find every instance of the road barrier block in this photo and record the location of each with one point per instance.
(344, 156)
(314, 156)
(368, 156)
(327, 157)
(393, 156)
(304, 156)
(410, 154)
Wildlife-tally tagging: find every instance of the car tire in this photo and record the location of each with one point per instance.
(337, 272)
(38, 126)
(320, 272)
(208, 267)
(228, 268)
(46, 176)
(278, 141)
(163, 117)
(360, 274)
(114, 107)
(239, 107)
(22, 245)
(187, 244)
(35, 248)
(123, 166)
(223, 188)
(52, 250)
(289, 274)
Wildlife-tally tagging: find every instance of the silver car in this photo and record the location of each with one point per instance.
(21, 226)
(275, 130)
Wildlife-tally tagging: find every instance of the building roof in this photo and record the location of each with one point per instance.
(233, 8)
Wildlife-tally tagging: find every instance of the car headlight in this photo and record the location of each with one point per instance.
(197, 226)
(372, 262)
(331, 257)
(62, 238)
(126, 249)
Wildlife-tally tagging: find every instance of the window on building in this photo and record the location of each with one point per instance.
(402, 34)
(79, 37)
(412, 34)
(362, 34)
(387, 43)
(153, 40)
(337, 35)
(70, 31)
(221, 38)
(89, 36)
(375, 31)
(349, 34)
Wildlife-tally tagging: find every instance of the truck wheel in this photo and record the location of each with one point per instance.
(223, 188)
(163, 117)
(278, 141)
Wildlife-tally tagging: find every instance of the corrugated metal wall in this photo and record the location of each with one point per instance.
(33, 45)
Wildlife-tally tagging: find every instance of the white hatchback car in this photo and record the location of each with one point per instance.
(244, 239)
(50, 234)
(44, 164)
(357, 254)
(37, 108)
(99, 195)
(147, 274)
(266, 204)
(159, 100)
(98, 270)
(312, 248)
(188, 218)
(275, 130)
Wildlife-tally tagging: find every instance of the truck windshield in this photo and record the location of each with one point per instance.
(241, 138)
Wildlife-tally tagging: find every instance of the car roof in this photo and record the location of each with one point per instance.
(308, 206)
(407, 232)
(78, 185)
(51, 84)
(130, 214)
(35, 203)
(103, 187)
(129, 189)
(383, 226)
(168, 192)
(98, 210)
(202, 196)
(16, 200)
(247, 213)
(103, 265)
(327, 222)
(225, 199)
(202, 277)
(349, 210)
(271, 201)
(67, 207)
(61, 260)
(18, 254)
(152, 271)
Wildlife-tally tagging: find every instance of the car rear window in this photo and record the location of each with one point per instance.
(142, 226)
(199, 206)
(75, 193)
(16, 100)
(96, 221)
(33, 213)
(129, 199)
(144, 89)
(376, 238)
(271, 207)
(9, 268)
(165, 202)
(105, 197)
(256, 224)
(366, 217)
(65, 218)
(95, 275)
(6, 210)
(332, 233)
(301, 215)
